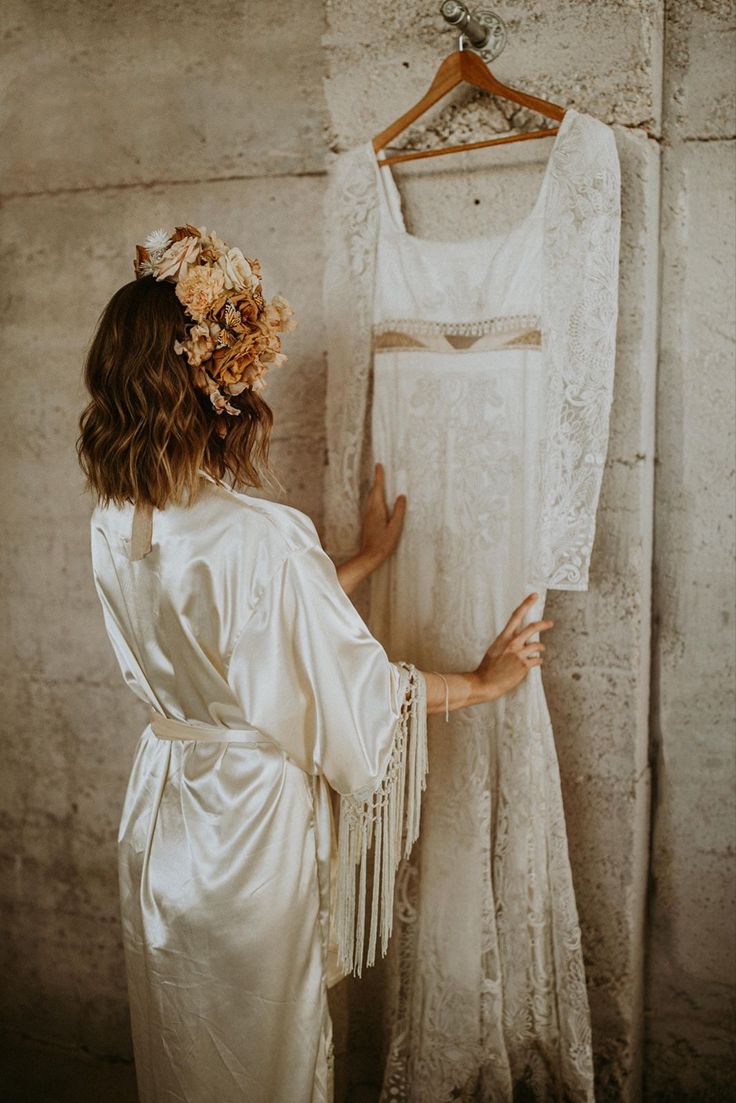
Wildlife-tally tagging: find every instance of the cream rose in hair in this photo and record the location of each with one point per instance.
(177, 258)
(236, 270)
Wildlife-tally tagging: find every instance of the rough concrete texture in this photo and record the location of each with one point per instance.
(222, 116)
(101, 94)
(601, 57)
(691, 969)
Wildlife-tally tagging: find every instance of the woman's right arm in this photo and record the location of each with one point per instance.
(505, 664)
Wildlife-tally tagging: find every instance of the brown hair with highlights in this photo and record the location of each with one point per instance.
(147, 429)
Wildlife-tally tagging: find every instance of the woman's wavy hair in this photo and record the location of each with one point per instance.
(147, 429)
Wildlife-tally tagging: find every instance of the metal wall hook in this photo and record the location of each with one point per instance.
(482, 31)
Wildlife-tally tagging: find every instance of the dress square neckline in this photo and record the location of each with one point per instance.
(390, 200)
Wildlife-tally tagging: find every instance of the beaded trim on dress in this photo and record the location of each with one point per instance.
(501, 324)
(409, 334)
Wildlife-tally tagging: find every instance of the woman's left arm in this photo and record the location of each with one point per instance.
(380, 535)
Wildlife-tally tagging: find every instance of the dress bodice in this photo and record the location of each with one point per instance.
(492, 275)
(551, 280)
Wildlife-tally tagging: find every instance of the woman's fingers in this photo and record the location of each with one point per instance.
(397, 515)
(376, 486)
(395, 523)
(529, 629)
(376, 507)
(378, 490)
(381, 527)
(395, 518)
(379, 485)
(514, 621)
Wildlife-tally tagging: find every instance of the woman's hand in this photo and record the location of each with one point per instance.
(381, 529)
(506, 663)
(380, 534)
(512, 654)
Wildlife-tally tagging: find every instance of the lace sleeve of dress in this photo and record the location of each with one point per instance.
(385, 818)
(349, 239)
(579, 315)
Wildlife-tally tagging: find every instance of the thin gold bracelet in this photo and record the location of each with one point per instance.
(447, 693)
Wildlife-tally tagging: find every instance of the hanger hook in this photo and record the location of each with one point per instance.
(482, 31)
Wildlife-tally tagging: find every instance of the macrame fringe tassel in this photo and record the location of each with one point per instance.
(381, 818)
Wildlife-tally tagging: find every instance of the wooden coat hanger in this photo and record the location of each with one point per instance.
(459, 66)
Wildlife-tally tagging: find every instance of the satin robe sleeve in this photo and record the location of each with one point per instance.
(310, 676)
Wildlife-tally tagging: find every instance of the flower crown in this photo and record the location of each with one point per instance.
(233, 336)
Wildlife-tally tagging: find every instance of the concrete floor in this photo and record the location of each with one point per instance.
(35, 1072)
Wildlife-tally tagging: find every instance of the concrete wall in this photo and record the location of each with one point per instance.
(118, 121)
(691, 968)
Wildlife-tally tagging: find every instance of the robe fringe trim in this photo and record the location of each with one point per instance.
(384, 818)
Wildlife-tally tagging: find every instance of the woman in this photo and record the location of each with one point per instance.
(267, 694)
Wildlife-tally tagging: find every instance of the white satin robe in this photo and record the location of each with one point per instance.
(227, 861)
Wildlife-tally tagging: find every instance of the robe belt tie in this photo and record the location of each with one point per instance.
(164, 727)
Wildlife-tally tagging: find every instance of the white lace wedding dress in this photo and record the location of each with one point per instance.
(491, 363)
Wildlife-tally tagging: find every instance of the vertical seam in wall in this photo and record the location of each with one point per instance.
(655, 735)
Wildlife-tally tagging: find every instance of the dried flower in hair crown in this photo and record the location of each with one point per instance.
(233, 336)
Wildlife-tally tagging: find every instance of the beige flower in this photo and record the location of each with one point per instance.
(199, 289)
(221, 404)
(236, 388)
(236, 270)
(214, 240)
(178, 258)
(259, 381)
(201, 379)
(199, 345)
(255, 265)
(280, 315)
